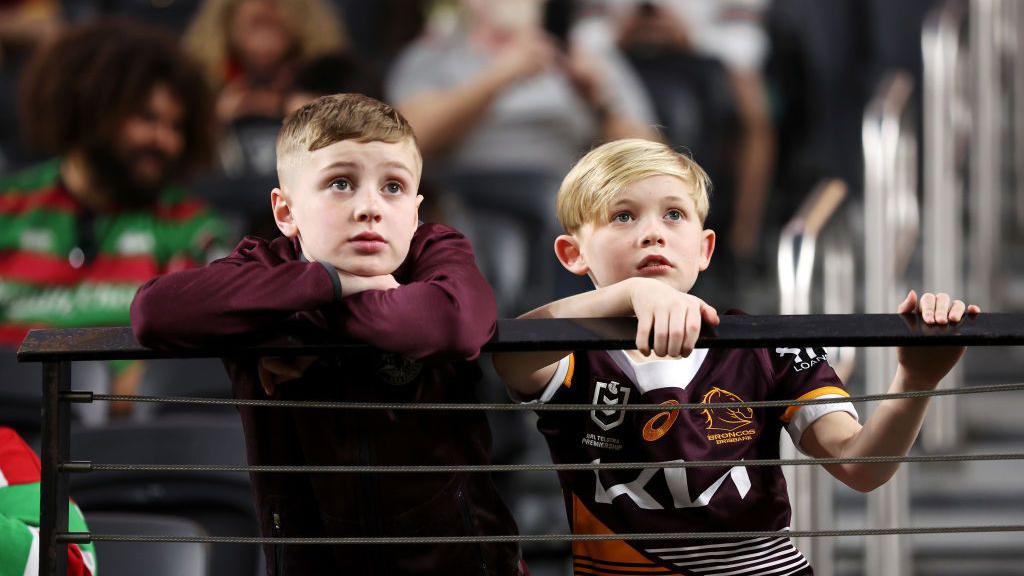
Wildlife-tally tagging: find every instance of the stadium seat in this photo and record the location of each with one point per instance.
(202, 378)
(220, 502)
(152, 559)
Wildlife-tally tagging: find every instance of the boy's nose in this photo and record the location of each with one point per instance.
(368, 209)
(652, 235)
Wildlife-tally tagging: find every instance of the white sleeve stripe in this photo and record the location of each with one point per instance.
(810, 413)
(549, 389)
(556, 380)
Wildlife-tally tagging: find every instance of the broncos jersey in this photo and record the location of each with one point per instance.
(665, 499)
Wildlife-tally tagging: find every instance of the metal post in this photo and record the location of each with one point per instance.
(809, 487)
(887, 234)
(1016, 30)
(53, 505)
(986, 157)
(943, 194)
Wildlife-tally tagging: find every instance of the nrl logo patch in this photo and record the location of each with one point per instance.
(611, 394)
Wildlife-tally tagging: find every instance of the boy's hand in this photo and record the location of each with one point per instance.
(924, 366)
(672, 316)
(352, 284)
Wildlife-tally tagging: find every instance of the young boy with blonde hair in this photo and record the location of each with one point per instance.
(633, 212)
(354, 261)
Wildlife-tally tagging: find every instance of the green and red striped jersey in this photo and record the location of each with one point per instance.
(63, 265)
(19, 514)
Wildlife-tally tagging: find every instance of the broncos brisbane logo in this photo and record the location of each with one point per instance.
(725, 419)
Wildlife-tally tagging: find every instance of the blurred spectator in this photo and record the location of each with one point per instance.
(731, 32)
(502, 108)
(495, 91)
(19, 513)
(250, 48)
(25, 24)
(128, 116)
(327, 74)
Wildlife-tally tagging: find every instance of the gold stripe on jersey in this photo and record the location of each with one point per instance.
(813, 394)
(567, 382)
(606, 552)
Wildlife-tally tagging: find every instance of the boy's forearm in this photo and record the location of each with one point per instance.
(444, 306)
(527, 373)
(424, 318)
(197, 307)
(890, 431)
(607, 302)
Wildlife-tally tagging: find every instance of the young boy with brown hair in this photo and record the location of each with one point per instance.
(633, 212)
(354, 260)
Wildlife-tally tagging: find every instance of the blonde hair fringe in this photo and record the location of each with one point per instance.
(594, 181)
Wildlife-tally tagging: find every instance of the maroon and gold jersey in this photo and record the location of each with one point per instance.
(664, 499)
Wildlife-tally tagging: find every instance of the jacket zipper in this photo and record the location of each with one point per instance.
(467, 523)
(279, 547)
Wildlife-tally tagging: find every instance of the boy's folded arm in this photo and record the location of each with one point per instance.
(445, 306)
(234, 296)
(528, 373)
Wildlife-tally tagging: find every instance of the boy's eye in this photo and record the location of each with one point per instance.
(393, 188)
(342, 184)
(674, 214)
(622, 217)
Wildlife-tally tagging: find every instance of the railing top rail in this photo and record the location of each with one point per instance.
(735, 331)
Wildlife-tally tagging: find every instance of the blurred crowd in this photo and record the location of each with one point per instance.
(138, 137)
(504, 96)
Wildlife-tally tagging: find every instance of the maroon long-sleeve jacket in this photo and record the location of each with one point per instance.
(429, 332)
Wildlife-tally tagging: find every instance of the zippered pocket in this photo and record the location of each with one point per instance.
(470, 529)
(279, 547)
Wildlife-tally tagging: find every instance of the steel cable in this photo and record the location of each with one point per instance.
(83, 537)
(448, 469)
(498, 407)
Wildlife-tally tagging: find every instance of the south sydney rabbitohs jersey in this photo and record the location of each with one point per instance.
(665, 499)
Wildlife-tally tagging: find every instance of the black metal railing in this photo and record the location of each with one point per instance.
(57, 348)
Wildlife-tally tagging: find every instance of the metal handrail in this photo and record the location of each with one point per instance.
(986, 177)
(890, 235)
(796, 265)
(945, 133)
(810, 489)
(798, 249)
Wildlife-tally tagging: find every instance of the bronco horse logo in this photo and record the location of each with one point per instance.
(725, 419)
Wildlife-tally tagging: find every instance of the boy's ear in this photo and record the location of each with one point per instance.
(707, 248)
(283, 213)
(567, 249)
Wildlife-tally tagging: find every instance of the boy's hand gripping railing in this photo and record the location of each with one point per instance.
(57, 348)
